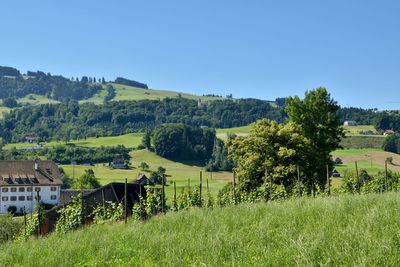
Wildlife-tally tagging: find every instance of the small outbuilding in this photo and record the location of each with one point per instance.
(143, 180)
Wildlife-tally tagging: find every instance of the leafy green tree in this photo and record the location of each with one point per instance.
(146, 141)
(87, 181)
(144, 166)
(270, 153)
(161, 170)
(392, 143)
(317, 116)
(10, 102)
(219, 160)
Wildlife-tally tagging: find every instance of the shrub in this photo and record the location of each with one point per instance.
(9, 228)
(110, 212)
(32, 224)
(72, 216)
(153, 202)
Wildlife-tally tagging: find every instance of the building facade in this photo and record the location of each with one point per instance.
(23, 183)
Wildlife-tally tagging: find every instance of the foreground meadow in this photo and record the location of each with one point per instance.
(347, 230)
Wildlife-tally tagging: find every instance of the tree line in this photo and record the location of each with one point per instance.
(66, 154)
(66, 121)
(54, 87)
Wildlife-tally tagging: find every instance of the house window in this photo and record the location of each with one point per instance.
(4, 199)
(13, 189)
(21, 189)
(21, 198)
(29, 189)
(37, 189)
(4, 190)
(53, 197)
(13, 198)
(53, 188)
(29, 198)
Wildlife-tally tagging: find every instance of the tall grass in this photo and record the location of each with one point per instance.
(348, 230)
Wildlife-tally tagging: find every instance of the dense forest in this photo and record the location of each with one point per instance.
(181, 142)
(70, 120)
(125, 81)
(359, 115)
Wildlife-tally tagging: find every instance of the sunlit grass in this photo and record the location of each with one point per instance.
(348, 230)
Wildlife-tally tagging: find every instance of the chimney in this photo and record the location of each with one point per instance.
(36, 165)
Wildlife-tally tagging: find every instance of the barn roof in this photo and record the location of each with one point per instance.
(23, 172)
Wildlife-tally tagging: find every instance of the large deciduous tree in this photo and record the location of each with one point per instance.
(317, 116)
(270, 153)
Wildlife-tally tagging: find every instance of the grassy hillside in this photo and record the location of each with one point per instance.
(96, 99)
(34, 99)
(239, 131)
(357, 130)
(372, 160)
(125, 92)
(363, 141)
(3, 110)
(350, 230)
(131, 140)
(179, 172)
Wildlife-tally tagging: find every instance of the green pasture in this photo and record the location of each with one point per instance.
(363, 141)
(184, 174)
(97, 99)
(239, 131)
(131, 140)
(34, 99)
(125, 92)
(359, 129)
(3, 110)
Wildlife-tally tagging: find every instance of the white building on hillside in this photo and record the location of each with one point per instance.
(21, 181)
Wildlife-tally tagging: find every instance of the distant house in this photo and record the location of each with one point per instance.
(389, 132)
(143, 180)
(22, 181)
(118, 163)
(350, 123)
(31, 139)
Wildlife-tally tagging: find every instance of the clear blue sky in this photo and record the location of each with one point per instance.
(262, 49)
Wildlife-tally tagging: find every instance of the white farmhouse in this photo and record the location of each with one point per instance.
(21, 181)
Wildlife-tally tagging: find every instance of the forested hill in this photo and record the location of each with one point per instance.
(15, 85)
(67, 121)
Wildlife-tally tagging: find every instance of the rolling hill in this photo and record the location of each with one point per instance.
(125, 92)
(180, 172)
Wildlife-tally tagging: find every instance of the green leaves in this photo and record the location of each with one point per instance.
(271, 151)
(71, 216)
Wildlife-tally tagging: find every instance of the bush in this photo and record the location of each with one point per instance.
(9, 228)
(153, 202)
(72, 216)
(110, 212)
(32, 224)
